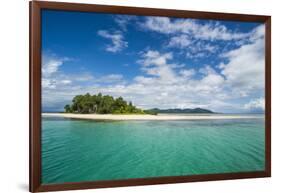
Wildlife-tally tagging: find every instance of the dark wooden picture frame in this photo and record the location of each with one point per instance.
(35, 94)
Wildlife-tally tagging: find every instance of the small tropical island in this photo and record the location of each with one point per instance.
(102, 104)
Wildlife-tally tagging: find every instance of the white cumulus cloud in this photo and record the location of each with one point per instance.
(206, 31)
(255, 104)
(245, 68)
(116, 38)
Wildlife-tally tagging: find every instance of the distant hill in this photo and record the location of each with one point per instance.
(195, 110)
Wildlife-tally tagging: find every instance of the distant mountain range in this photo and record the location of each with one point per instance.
(195, 110)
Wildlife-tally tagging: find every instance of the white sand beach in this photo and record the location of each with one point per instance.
(148, 117)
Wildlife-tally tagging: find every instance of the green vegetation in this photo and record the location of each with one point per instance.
(102, 104)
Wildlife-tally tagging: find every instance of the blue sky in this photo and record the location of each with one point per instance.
(153, 61)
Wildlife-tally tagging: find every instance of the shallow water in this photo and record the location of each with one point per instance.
(81, 150)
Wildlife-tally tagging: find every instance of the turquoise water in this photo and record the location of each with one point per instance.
(81, 150)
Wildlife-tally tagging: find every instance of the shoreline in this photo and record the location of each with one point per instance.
(124, 117)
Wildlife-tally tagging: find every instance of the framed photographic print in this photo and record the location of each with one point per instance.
(123, 96)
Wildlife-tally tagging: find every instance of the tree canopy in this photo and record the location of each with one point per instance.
(101, 104)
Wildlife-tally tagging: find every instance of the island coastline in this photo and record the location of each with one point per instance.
(163, 117)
